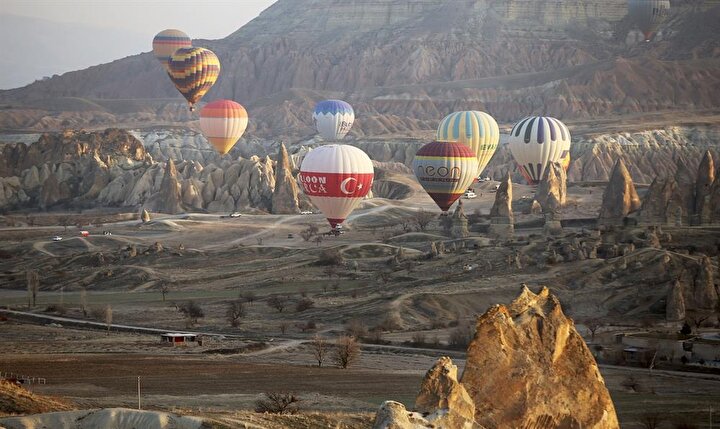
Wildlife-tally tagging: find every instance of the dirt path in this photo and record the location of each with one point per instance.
(40, 247)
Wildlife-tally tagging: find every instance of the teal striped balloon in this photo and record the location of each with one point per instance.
(477, 130)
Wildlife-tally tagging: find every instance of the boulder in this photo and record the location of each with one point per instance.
(393, 415)
(528, 367)
(442, 400)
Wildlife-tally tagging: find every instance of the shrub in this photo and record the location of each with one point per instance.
(347, 351)
(278, 403)
(304, 304)
(277, 302)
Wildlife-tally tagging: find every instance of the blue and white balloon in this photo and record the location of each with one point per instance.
(333, 119)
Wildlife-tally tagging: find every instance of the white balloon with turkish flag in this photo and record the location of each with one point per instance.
(336, 178)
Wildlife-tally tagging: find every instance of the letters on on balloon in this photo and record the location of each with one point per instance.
(336, 185)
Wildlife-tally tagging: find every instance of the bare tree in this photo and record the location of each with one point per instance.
(192, 312)
(593, 324)
(164, 290)
(83, 302)
(277, 302)
(320, 349)
(33, 283)
(235, 312)
(304, 304)
(651, 420)
(347, 351)
(356, 328)
(108, 318)
(283, 327)
(248, 297)
(423, 218)
(277, 403)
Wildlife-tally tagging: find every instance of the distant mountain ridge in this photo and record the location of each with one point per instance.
(404, 64)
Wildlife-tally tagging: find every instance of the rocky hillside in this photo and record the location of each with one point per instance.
(404, 64)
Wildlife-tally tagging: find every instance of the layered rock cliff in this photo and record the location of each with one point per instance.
(404, 64)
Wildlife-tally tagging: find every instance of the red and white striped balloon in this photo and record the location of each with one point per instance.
(336, 178)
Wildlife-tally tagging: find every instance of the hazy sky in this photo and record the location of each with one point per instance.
(63, 35)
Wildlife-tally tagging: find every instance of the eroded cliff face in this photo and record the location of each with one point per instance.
(404, 64)
(112, 169)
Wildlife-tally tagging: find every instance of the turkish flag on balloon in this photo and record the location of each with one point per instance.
(336, 178)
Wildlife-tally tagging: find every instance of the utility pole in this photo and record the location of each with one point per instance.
(139, 408)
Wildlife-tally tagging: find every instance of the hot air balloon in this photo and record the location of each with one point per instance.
(333, 119)
(336, 178)
(537, 141)
(445, 170)
(648, 14)
(477, 130)
(223, 122)
(166, 43)
(194, 71)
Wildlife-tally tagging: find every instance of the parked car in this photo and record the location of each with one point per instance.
(107, 233)
(235, 214)
(85, 233)
(57, 238)
(306, 212)
(469, 194)
(291, 235)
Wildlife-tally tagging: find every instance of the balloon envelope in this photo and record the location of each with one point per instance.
(537, 141)
(477, 130)
(223, 122)
(445, 170)
(166, 43)
(648, 14)
(336, 178)
(333, 119)
(194, 71)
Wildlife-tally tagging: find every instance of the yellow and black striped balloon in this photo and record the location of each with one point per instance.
(194, 71)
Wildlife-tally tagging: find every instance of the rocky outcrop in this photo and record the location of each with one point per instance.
(168, 199)
(528, 367)
(285, 196)
(675, 308)
(144, 216)
(442, 400)
(703, 189)
(393, 415)
(502, 220)
(459, 222)
(704, 292)
(554, 182)
(69, 146)
(620, 197)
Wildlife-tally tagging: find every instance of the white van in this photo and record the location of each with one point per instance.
(469, 194)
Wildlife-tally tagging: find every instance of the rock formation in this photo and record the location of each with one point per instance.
(144, 216)
(393, 415)
(675, 308)
(620, 197)
(703, 188)
(285, 195)
(662, 204)
(502, 220)
(554, 182)
(169, 198)
(459, 222)
(528, 367)
(704, 292)
(685, 180)
(406, 61)
(442, 400)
